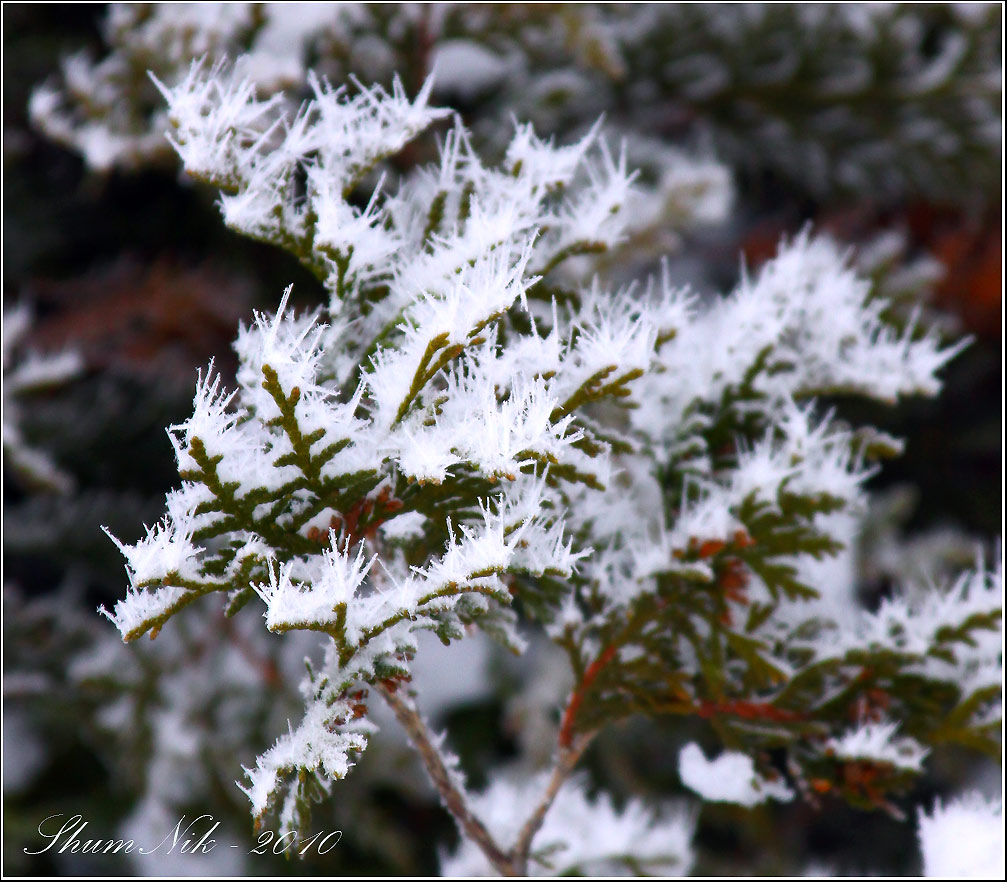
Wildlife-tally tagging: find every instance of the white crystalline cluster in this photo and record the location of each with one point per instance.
(731, 777)
(913, 621)
(877, 743)
(580, 835)
(816, 327)
(468, 418)
(416, 390)
(24, 374)
(107, 109)
(796, 106)
(323, 742)
(963, 838)
(805, 324)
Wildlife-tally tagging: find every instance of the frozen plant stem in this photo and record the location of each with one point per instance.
(566, 759)
(510, 863)
(452, 796)
(430, 446)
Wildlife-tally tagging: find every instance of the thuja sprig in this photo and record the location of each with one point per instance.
(433, 443)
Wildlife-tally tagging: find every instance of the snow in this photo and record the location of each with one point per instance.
(291, 605)
(963, 838)
(824, 331)
(26, 372)
(438, 393)
(580, 835)
(466, 69)
(324, 741)
(877, 743)
(731, 777)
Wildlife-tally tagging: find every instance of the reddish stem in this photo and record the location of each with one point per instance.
(590, 675)
(748, 710)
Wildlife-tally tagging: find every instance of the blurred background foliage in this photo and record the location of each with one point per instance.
(881, 128)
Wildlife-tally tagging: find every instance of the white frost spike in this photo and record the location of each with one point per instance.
(731, 777)
(358, 238)
(354, 131)
(473, 375)
(542, 162)
(597, 215)
(473, 555)
(580, 836)
(963, 838)
(291, 604)
(166, 551)
(910, 622)
(215, 114)
(499, 433)
(133, 614)
(820, 326)
(288, 344)
(211, 421)
(167, 548)
(24, 373)
(876, 743)
(325, 741)
(448, 312)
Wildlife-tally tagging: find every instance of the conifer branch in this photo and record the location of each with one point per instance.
(434, 440)
(448, 785)
(567, 757)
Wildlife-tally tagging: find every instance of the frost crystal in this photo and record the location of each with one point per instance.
(877, 743)
(963, 838)
(24, 374)
(581, 835)
(731, 777)
(472, 417)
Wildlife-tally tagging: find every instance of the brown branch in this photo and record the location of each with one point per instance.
(452, 797)
(565, 761)
(748, 710)
(590, 675)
